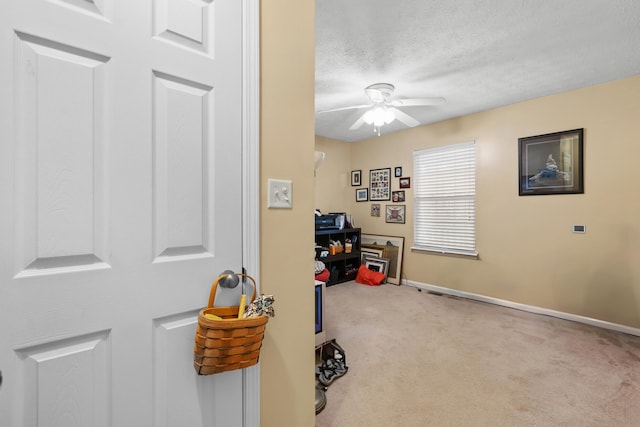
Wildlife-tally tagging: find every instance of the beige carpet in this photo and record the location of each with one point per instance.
(418, 359)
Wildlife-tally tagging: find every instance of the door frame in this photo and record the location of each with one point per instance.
(251, 183)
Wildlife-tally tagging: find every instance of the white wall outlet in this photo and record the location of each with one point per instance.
(280, 194)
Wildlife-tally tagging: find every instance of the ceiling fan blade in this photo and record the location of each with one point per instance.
(413, 102)
(358, 123)
(353, 107)
(405, 118)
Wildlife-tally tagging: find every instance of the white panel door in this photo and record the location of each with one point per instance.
(120, 202)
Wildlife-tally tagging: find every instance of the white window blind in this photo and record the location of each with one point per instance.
(444, 199)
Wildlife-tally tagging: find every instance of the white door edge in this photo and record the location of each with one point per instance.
(251, 183)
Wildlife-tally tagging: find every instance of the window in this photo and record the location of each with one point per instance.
(444, 199)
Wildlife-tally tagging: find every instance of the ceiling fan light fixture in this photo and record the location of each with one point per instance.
(378, 118)
(379, 115)
(383, 111)
(379, 92)
(368, 117)
(389, 116)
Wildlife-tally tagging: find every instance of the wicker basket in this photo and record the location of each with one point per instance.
(229, 343)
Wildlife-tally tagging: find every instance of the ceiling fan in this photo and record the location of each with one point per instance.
(382, 110)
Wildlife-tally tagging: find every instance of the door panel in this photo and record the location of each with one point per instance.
(120, 188)
(182, 167)
(185, 23)
(69, 379)
(181, 398)
(60, 156)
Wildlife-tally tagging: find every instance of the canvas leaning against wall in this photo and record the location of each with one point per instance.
(391, 247)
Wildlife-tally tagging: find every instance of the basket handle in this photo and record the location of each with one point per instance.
(214, 287)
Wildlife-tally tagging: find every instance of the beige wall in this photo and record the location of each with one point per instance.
(287, 142)
(527, 251)
(333, 191)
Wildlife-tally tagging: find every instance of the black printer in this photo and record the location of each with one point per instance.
(332, 221)
(328, 221)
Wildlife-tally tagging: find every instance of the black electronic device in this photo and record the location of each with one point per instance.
(342, 220)
(325, 222)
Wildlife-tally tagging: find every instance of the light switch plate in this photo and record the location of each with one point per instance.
(280, 194)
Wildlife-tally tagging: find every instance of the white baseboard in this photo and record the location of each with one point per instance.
(524, 307)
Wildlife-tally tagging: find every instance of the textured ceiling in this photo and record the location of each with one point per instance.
(477, 54)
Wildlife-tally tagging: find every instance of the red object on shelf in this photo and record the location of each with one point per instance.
(323, 276)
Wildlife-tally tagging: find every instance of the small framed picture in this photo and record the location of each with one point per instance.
(356, 178)
(375, 209)
(362, 194)
(397, 196)
(370, 252)
(398, 171)
(380, 265)
(405, 182)
(395, 214)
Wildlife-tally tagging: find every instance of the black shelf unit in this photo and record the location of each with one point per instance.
(343, 266)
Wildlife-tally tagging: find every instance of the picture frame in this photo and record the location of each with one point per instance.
(405, 182)
(384, 246)
(375, 209)
(397, 196)
(551, 163)
(380, 184)
(370, 251)
(356, 178)
(395, 214)
(378, 264)
(397, 171)
(362, 194)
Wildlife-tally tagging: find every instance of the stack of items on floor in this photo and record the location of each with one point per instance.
(368, 277)
(334, 365)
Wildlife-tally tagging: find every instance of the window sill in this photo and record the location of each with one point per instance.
(445, 253)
